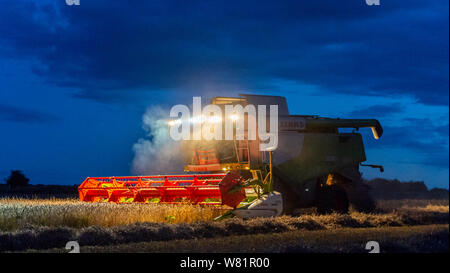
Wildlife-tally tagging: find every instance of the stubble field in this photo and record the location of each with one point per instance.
(48, 224)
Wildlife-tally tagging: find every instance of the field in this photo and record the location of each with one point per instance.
(48, 224)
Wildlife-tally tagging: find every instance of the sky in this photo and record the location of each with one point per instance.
(75, 81)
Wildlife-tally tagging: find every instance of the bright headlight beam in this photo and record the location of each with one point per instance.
(234, 117)
(174, 122)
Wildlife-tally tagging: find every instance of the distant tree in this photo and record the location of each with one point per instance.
(17, 179)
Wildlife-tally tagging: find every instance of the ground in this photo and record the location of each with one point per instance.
(428, 238)
(46, 225)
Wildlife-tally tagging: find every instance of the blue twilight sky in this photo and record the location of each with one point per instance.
(76, 80)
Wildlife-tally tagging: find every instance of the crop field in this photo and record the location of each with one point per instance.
(48, 224)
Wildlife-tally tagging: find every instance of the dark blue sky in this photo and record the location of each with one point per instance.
(76, 80)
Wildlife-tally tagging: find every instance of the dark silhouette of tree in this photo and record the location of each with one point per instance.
(17, 179)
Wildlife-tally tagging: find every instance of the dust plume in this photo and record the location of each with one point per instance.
(157, 153)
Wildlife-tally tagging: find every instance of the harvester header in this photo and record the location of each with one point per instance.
(195, 189)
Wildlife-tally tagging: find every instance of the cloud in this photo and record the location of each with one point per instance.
(377, 111)
(101, 47)
(420, 136)
(16, 114)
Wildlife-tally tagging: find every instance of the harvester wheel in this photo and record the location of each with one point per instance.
(360, 197)
(358, 192)
(332, 199)
(290, 199)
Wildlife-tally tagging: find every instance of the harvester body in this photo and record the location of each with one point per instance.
(312, 158)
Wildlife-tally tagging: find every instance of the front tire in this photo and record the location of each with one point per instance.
(360, 197)
(290, 198)
(332, 199)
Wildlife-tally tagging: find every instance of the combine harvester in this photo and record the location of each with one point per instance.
(315, 164)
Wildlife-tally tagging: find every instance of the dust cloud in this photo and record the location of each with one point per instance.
(157, 153)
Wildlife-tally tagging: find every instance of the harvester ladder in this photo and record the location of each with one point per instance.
(242, 148)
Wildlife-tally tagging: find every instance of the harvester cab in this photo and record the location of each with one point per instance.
(314, 164)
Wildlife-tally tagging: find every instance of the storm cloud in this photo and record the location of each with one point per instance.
(398, 48)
